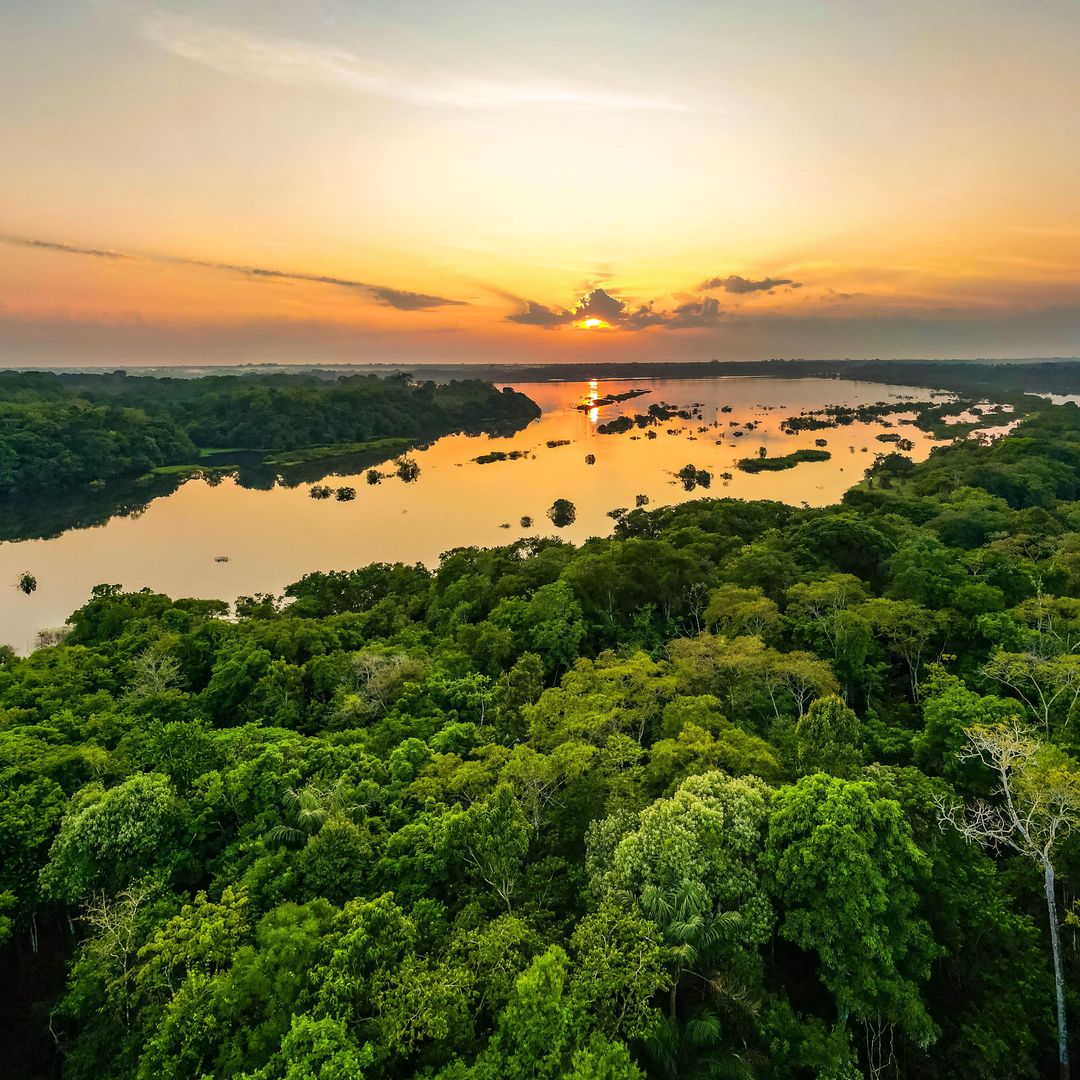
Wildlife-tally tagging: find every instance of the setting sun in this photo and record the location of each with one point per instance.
(592, 323)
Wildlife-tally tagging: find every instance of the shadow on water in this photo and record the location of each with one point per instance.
(48, 517)
(44, 518)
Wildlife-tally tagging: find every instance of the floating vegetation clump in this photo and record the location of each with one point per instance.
(407, 469)
(320, 491)
(616, 427)
(526, 521)
(345, 494)
(692, 477)
(26, 583)
(900, 442)
(610, 399)
(562, 513)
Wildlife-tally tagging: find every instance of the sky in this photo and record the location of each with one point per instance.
(349, 181)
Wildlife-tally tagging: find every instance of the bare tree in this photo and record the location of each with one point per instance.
(376, 680)
(1040, 683)
(116, 926)
(152, 673)
(1037, 805)
(52, 635)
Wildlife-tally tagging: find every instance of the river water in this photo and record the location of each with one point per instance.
(223, 540)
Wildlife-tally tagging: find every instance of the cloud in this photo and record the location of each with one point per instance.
(59, 338)
(396, 298)
(695, 313)
(410, 301)
(297, 63)
(401, 299)
(70, 249)
(733, 283)
(540, 315)
(618, 314)
(600, 304)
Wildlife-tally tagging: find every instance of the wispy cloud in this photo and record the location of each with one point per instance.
(297, 63)
(70, 249)
(733, 283)
(618, 314)
(402, 299)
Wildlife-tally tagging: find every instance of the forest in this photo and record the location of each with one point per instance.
(743, 790)
(77, 432)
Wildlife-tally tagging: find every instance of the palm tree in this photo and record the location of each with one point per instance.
(693, 1049)
(690, 928)
(694, 1045)
(313, 807)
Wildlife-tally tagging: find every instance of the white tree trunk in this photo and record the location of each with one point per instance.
(1059, 978)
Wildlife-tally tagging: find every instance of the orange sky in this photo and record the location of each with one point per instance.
(234, 182)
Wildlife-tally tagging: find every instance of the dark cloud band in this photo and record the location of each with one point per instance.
(740, 286)
(600, 304)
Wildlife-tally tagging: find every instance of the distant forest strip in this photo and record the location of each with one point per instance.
(67, 431)
(961, 376)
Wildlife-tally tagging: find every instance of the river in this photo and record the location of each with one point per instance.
(224, 540)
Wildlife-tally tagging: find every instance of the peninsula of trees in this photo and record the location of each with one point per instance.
(70, 431)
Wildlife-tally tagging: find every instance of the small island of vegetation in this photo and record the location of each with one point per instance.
(783, 461)
(500, 455)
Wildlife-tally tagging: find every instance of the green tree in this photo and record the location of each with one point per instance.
(618, 970)
(695, 855)
(845, 870)
(492, 838)
(828, 739)
(111, 836)
(908, 631)
(562, 513)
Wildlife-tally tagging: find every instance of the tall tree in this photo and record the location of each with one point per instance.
(846, 871)
(1036, 808)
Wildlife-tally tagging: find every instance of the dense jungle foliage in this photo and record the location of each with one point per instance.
(69, 431)
(688, 801)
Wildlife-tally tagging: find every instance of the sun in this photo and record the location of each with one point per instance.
(592, 323)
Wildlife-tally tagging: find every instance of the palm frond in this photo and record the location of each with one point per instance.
(285, 834)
